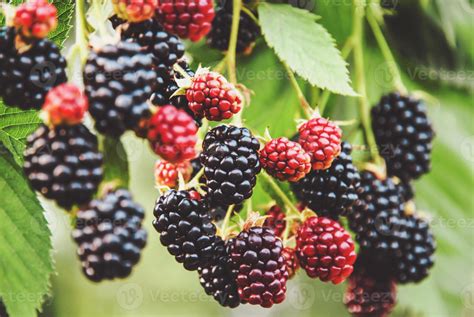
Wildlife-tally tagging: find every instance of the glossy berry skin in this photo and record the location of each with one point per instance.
(275, 220)
(35, 19)
(26, 77)
(110, 236)
(291, 260)
(63, 164)
(404, 135)
(369, 296)
(119, 79)
(216, 277)
(258, 266)
(172, 134)
(167, 174)
(231, 164)
(189, 19)
(65, 105)
(135, 10)
(321, 138)
(285, 160)
(185, 228)
(332, 192)
(213, 97)
(325, 250)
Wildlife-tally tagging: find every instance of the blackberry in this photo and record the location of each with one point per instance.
(404, 135)
(378, 223)
(258, 266)
(417, 252)
(406, 191)
(334, 191)
(216, 277)
(119, 79)
(231, 164)
(3, 309)
(185, 228)
(219, 36)
(276, 220)
(110, 236)
(116, 21)
(26, 77)
(63, 164)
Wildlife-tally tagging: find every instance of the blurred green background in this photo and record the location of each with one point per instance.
(433, 44)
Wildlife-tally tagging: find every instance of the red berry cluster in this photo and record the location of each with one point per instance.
(135, 10)
(65, 104)
(35, 19)
(167, 173)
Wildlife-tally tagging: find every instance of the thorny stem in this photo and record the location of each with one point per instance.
(281, 194)
(303, 102)
(231, 53)
(386, 52)
(360, 81)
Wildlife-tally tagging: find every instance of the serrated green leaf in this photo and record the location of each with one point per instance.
(115, 162)
(65, 13)
(15, 126)
(25, 244)
(305, 46)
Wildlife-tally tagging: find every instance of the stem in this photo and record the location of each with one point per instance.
(181, 71)
(226, 221)
(386, 52)
(220, 66)
(303, 102)
(82, 33)
(361, 87)
(231, 53)
(281, 194)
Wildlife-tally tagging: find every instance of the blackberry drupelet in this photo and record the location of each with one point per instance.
(258, 266)
(417, 252)
(219, 36)
(119, 79)
(26, 77)
(110, 236)
(216, 277)
(406, 191)
(378, 223)
(334, 191)
(404, 135)
(185, 228)
(231, 164)
(63, 164)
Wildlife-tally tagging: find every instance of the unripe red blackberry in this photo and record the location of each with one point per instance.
(212, 96)
(404, 135)
(135, 10)
(119, 79)
(258, 266)
(27, 76)
(189, 19)
(291, 260)
(334, 191)
(63, 164)
(65, 105)
(172, 134)
(185, 228)
(34, 19)
(167, 174)
(285, 160)
(368, 296)
(275, 220)
(216, 277)
(321, 138)
(231, 164)
(219, 36)
(325, 250)
(110, 236)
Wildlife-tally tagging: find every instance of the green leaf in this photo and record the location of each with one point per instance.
(115, 162)
(305, 46)
(25, 244)
(15, 126)
(65, 13)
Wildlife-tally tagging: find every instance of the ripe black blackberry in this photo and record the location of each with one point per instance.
(331, 192)
(406, 191)
(417, 252)
(119, 80)
(219, 36)
(185, 228)
(378, 222)
(231, 164)
(110, 236)
(3, 309)
(63, 164)
(404, 135)
(216, 277)
(26, 77)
